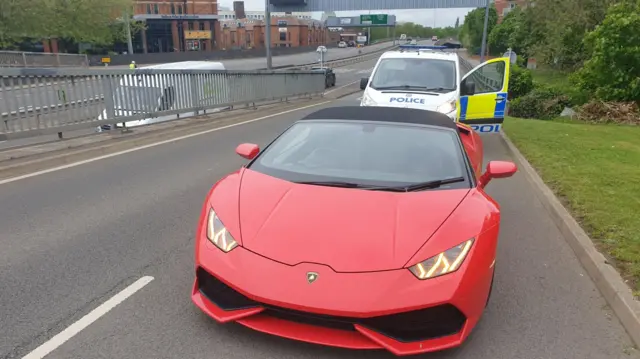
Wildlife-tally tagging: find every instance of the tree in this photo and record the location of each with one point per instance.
(21, 19)
(413, 30)
(612, 72)
(471, 30)
(515, 32)
(92, 21)
(561, 30)
(457, 23)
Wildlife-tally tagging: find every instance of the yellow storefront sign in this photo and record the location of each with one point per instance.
(197, 35)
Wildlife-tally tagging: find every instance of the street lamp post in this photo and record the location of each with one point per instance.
(127, 19)
(267, 32)
(483, 47)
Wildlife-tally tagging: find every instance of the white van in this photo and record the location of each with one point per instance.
(416, 77)
(142, 93)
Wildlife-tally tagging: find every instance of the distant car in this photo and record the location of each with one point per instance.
(357, 227)
(414, 42)
(351, 44)
(434, 38)
(342, 44)
(330, 76)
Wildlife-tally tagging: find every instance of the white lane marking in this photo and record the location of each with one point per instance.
(75, 328)
(74, 164)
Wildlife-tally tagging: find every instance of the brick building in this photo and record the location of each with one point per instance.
(190, 25)
(504, 6)
(285, 32)
(177, 25)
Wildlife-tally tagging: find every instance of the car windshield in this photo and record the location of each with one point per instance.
(425, 74)
(365, 153)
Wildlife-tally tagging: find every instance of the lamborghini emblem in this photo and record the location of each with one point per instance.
(311, 277)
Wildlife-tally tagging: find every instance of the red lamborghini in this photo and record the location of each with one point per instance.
(357, 227)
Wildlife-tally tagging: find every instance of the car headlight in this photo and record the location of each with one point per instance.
(218, 234)
(447, 107)
(444, 263)
(367, 100)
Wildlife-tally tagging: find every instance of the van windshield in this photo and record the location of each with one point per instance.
(136, 98)
(408, 73)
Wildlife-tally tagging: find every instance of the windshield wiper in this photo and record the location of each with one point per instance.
(408, 87)
(333, 184)
(409, 188)
(424, 185)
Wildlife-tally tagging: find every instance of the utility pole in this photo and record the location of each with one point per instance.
(483, 47)
(127, 21)
(267, 31)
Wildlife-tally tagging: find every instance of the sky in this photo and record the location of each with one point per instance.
(427, 17)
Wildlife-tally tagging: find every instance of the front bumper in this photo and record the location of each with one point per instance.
(389, 310)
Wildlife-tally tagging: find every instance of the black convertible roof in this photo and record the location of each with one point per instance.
(386, 114)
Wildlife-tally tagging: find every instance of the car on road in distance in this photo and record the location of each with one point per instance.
(429, 78)
(330, 76)
(434, 38)
(342, 44)
(356, 227)
(414, 42)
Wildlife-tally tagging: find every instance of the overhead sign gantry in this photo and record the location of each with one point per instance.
(356, 5)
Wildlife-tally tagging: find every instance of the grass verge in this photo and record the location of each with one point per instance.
(595, 171)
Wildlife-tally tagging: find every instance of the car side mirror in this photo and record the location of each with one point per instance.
(363, 83)
(248, 150)
(497, 169)
(468, 87)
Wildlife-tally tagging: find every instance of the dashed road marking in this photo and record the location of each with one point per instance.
(75, 328)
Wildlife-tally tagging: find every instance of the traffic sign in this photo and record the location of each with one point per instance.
(374, 19)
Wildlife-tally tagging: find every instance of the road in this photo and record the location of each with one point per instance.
(74, 238)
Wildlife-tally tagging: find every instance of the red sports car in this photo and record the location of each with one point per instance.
(357, 227)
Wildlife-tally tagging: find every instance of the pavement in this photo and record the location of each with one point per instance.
(74, 239)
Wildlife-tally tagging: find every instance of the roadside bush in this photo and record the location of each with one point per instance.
(612, 73)
(520, 82)
(597, 111)
(542, 103)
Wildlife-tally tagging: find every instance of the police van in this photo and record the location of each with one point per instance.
(430, 78)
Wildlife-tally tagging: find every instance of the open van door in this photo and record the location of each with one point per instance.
(483, 96)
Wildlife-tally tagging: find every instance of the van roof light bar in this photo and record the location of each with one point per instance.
(421, 47)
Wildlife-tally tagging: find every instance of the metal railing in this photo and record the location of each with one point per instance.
(44, 101)
(41, 59)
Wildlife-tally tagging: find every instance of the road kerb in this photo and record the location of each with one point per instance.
(608, 281)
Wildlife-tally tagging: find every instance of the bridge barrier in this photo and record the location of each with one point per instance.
(41, 59)
(56, 102)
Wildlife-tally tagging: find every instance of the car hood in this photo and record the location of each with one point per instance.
(349, 230)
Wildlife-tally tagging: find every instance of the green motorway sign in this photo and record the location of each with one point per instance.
(371, 19)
